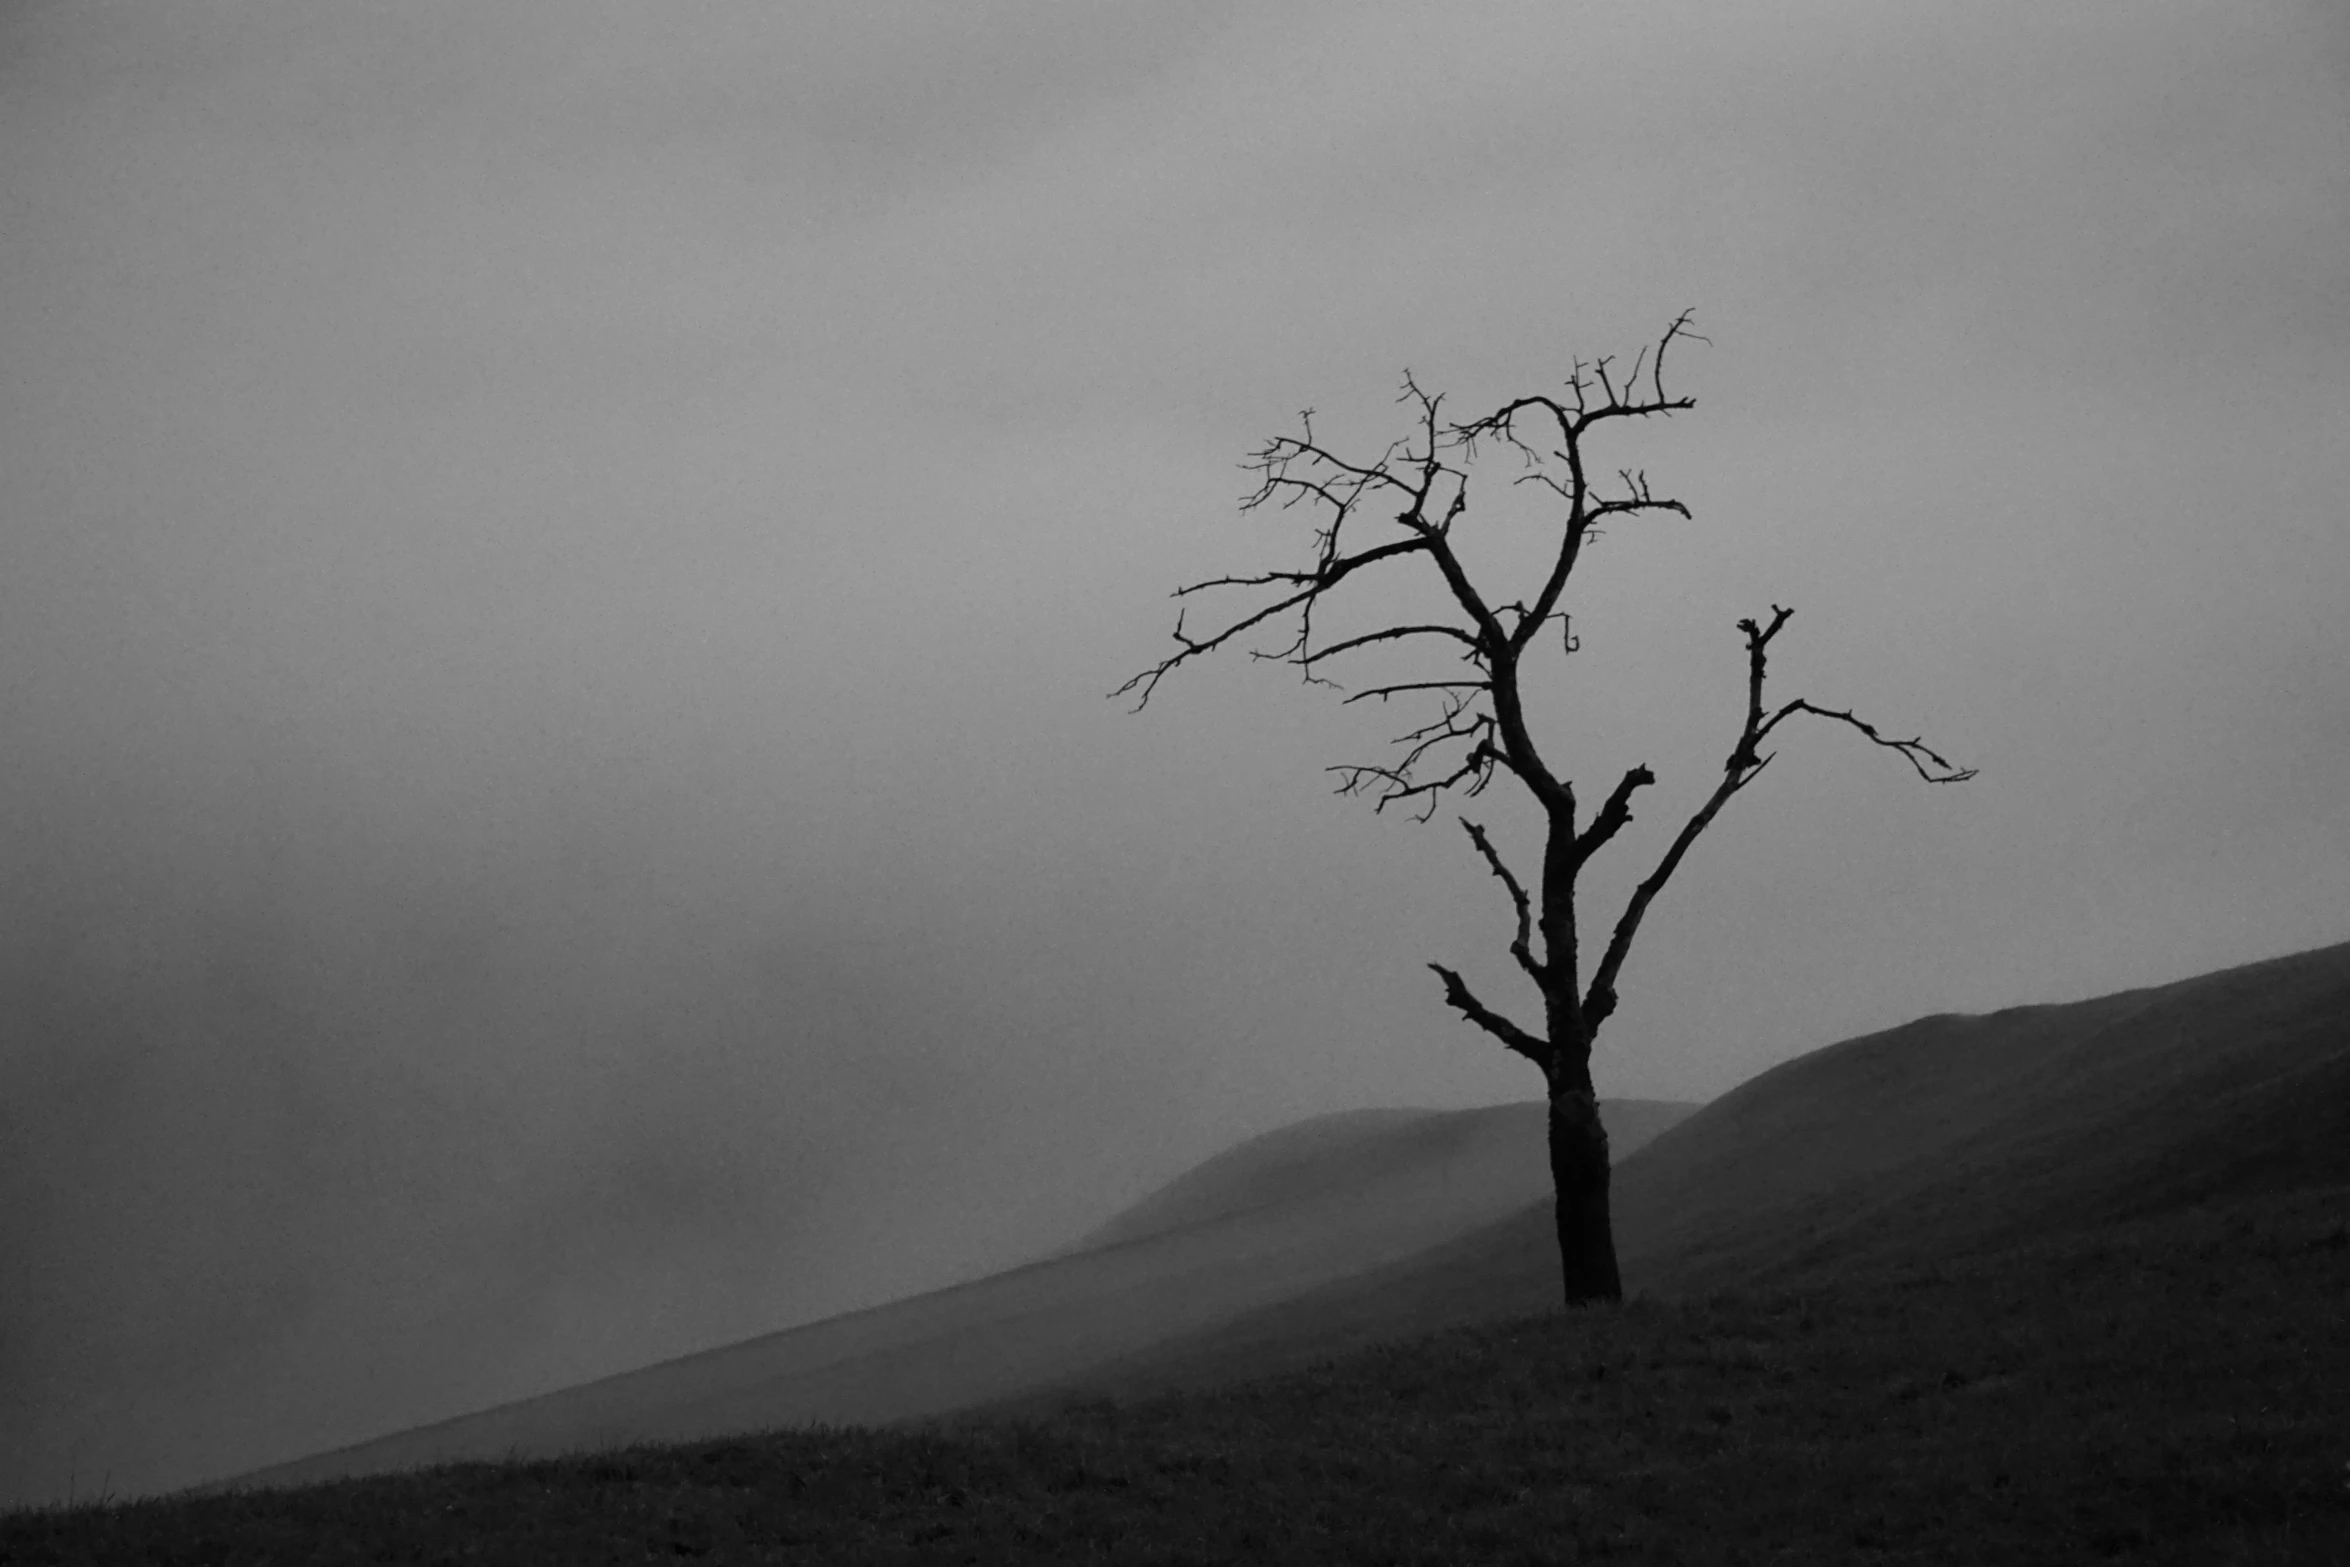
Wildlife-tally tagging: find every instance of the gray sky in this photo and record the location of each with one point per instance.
(559, 565)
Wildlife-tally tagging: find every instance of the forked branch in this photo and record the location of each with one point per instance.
(1392, 785)
(1578, 411)
(1427, 494)
(1420, 485)
(1745, 764)
(1328, 572)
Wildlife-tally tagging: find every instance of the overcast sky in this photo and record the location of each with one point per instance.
(560, 562)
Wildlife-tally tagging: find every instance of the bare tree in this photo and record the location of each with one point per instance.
(1418, 491)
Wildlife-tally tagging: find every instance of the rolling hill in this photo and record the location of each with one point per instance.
(1945, 1139)
(1941, 1143)
(1273, 1218)
(2162, 1390)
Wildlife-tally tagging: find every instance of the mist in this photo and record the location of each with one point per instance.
(559, 568)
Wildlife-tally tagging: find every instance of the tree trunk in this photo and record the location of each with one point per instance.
(1579, 1175)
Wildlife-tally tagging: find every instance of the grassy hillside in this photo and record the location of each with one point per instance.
(1273, 1219)
(2165, 1390)
(1923, 1144)
(2058, 1284)
(1960, 1132)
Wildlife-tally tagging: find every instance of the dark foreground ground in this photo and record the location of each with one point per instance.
(2177, 1390)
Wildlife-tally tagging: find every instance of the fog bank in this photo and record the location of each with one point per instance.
(559, 566)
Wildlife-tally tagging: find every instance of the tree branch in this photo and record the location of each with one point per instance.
(1396, 783)
(1315, 583)
(1457, 996)
(1390, 633)
(1430, 494)
(1931, 765)
(1384, 692)
(1522, 948)
(1626, 400)
(1575, 418)
(1745, 764)
(1614, 815)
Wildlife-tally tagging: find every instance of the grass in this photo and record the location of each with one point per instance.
(2174, 1390)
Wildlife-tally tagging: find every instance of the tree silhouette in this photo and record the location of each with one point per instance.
(1419, 489)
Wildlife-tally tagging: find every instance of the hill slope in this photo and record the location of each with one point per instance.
(1947, 1137)
(1270, 1220)
(1353, 1149)
(2166, 1390)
